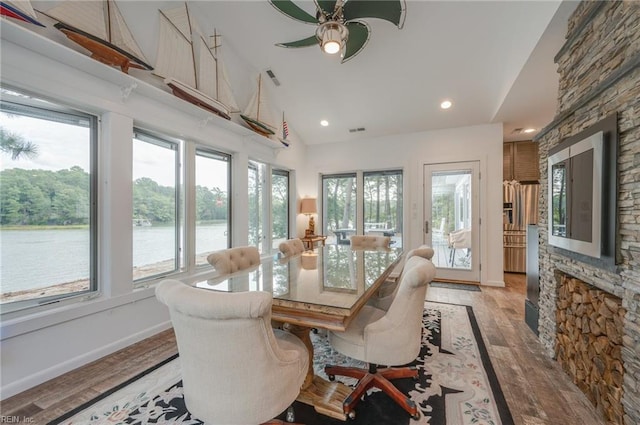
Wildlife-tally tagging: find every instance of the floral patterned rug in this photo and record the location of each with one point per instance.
(456, 386)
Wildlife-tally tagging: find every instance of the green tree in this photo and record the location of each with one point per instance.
(16, 146)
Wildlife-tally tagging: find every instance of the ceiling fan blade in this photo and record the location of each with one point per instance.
(290, 9)
(389, 10)
(327, 6)
(305, 42)
(358, 38)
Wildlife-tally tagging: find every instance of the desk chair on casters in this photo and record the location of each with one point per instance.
(236, 369)
(386, 337)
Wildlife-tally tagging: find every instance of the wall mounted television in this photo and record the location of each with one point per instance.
(582, 192)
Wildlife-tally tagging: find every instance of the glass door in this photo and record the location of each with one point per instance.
(451, 205)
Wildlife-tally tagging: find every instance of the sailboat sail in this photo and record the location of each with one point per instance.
(223, 88)
(19, 9)
(187, 64)
(175, 55)
(257, 114)
(100, 27)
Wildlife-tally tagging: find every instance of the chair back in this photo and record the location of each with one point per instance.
(235, 259)
(384, 302)
(291, 247)
(460, 239)
(370, 241)
(395, 339)
(233, 369)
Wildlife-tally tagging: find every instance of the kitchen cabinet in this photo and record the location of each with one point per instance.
(520, 161)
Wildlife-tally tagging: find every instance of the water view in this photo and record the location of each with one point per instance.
(31, 259)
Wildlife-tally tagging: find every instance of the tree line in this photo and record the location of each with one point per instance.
(44, 197)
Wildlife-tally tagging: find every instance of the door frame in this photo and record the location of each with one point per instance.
(446, 273)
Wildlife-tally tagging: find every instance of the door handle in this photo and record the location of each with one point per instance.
(426, 226)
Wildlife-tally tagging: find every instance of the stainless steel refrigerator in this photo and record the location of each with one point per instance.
(520, 209)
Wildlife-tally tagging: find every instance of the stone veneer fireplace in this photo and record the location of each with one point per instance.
(589, 325)
(599, 68)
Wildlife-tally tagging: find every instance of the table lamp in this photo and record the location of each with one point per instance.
(308, 207)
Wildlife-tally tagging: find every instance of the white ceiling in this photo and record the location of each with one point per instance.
(493, 59)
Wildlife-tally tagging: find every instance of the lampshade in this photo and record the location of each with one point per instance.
(308, 206)
(332, 37)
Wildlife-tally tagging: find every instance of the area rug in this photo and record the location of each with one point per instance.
(456, 386)
(461, 286)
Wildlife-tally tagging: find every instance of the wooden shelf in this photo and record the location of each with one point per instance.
(16, 34)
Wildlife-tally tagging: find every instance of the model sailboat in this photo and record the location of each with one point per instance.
(19, 9)
(99, 27)
(189, 67)
(257, 115)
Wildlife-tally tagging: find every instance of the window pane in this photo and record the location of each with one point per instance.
(383, 205)
(155, 201)
(46, 216)
(256, 171)
(212, 203)
(279, 207)
(339, 208)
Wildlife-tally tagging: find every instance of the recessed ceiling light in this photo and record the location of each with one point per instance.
(529, 130)
(446, 104)
(324, 123)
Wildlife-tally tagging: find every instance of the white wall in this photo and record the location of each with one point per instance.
(39, 345)
(410, 152)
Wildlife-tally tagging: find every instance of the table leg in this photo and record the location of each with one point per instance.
(326, 397)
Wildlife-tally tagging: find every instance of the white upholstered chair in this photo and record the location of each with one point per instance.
(370, 241)
(291, 247)
(236, 369)
(459, 239)
(387, 291)
(390, 338)
(231, 260)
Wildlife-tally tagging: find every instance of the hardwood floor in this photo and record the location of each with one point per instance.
(537, 390)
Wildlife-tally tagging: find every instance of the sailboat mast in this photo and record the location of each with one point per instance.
(259, 86)
(108, 21)
(193, 53)
(215, 56)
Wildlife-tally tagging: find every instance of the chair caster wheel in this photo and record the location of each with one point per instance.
(351, 415)
(331, 377)
(417, 416)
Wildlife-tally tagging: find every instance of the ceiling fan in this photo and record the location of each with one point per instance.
(340, 28)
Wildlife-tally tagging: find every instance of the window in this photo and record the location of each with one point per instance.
(48, 202)
(156, 218)
(383, 204)
(381, 200)
(256, 203)
(338, 207)
(268, 206)
(213, 171)
(279, 207)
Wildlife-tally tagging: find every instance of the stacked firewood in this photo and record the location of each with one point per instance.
(589, 342)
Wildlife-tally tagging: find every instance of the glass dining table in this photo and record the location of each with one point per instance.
(323, 288)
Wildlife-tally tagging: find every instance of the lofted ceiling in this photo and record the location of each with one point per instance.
(492, 59)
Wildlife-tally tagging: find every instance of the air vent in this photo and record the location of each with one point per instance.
(273, 77)
(356, 130)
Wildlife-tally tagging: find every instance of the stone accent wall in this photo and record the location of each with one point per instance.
(599, 71)
(589, 343)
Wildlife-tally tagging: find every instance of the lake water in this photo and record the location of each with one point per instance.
(32, 259)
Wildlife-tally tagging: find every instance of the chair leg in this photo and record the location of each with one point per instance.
(379, 378)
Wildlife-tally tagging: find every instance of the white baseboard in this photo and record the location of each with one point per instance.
(498, 283)
(42, 376)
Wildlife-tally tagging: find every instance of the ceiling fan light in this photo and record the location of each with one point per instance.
(332, 37)
(331, 47)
